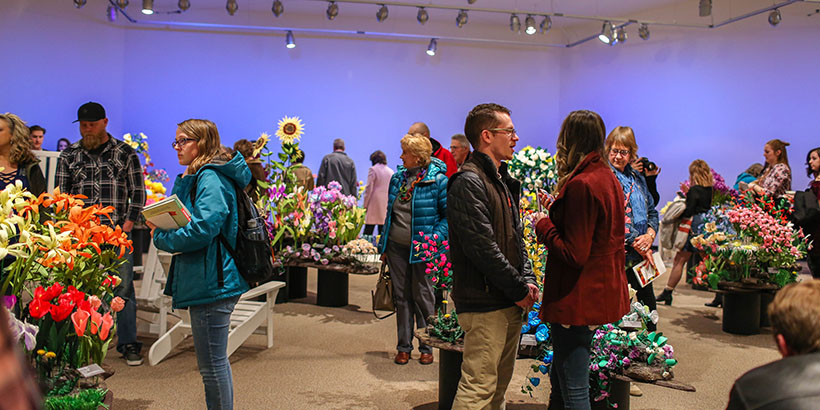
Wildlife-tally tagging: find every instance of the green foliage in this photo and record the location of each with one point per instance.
(445, 327)
(90, 399)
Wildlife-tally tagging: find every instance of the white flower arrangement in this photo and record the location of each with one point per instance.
(535, 168)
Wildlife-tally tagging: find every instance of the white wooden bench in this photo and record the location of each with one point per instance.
(150, 297)
(248, 316)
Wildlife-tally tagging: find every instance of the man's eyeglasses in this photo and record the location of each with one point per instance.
(181, 142)
(622, 152)
(510, 131)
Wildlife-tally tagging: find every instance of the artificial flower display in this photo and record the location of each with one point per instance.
(290, 130)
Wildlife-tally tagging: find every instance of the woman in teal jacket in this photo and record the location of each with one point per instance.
(203, 277)
(416, 206)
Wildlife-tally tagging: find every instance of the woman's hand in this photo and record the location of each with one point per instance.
(684, 188)
(643, 243)
(545, 199)
(152, 226)
(537, 217)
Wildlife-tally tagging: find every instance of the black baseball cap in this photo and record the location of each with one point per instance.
(90, 111)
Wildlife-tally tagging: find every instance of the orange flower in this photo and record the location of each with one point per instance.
(60, 200)
(107, 323)
(96, 321)
(80, 320)
(117, 304)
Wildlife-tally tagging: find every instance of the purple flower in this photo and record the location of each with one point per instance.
(334, 185)
(305, 247)
(9, 301)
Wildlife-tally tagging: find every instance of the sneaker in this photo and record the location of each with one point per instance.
(132, 355)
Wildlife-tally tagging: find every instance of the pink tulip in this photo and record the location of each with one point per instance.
(80, 320)
(117, 304)
(95, 302)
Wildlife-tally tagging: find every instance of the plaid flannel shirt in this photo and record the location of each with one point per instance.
(113, 178)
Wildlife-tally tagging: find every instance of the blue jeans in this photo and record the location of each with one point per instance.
(127, 317)
(569, 374)
(210, 325)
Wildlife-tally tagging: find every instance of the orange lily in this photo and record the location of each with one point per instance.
(107, 323)
(80, 320)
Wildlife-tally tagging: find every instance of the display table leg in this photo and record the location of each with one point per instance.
(297, 285)
(765, 299)
(331, 291)
(618, 394)
(449, 374)
(741, 313)
(283, 294)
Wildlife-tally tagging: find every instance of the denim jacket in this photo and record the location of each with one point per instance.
(652, 214)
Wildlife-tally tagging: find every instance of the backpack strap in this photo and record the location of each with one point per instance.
(220, 274)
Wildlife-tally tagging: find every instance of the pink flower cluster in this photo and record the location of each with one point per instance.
(755, 223)
(434, 253)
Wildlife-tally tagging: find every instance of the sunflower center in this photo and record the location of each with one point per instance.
(289, 128)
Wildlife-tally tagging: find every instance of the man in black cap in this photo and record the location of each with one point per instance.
(108, 172)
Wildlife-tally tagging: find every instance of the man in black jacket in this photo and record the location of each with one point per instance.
(492, 279)
(791, 382)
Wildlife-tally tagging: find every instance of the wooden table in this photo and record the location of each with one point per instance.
(332, 287)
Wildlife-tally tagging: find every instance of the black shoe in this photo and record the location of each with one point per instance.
(132, 355)
(665, 296)
(716, 302)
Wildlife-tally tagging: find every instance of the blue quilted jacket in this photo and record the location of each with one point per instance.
(429, 206)
(194, 277)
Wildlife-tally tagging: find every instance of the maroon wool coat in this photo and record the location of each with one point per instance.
(584, 282)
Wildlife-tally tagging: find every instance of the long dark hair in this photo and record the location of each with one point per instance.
(809, 171)
(581, 133)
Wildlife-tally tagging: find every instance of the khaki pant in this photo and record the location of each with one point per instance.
(490, 347)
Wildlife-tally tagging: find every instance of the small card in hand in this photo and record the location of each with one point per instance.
(645, 273)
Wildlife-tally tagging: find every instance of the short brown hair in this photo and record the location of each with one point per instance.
(480, 118)
(700, 173)
(624, 136)
(795, 314)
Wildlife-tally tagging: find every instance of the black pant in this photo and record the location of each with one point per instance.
(368, 229)
(814, 264)
(645, 295)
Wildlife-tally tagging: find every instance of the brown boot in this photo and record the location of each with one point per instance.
(402, 358)
(426, 358)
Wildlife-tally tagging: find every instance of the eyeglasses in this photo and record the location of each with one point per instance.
(622, 152)
(181, 142)
(510, 131)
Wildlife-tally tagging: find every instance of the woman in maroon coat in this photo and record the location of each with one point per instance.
(584, 284)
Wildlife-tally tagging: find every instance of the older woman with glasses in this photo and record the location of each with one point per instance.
(639, 207)
(416, 206)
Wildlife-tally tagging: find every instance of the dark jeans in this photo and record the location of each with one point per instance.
(368, 229)
(569, 375)
(814, 264)
(127, 317)
(413, 294)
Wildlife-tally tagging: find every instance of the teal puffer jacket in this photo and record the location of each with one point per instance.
(429, 206)
(193, 279)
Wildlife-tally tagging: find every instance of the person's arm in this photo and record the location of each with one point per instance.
(467, 214)
(62, 177)
(693, 196)
(135, 186)
(450, 161)
(652, 186)
(353, 180)
(208, 213)
(573, 243)
(368, 189)
(776, 181)
(321, 177)
(36, 180)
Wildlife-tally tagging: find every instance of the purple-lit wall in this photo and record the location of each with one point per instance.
(717, 95)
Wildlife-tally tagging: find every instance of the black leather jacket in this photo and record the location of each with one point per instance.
(790, 383)
(490, 265)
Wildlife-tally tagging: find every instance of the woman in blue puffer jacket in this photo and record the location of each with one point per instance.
(203, 277)
(416, 206)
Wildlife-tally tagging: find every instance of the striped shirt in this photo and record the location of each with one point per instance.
(112, 177)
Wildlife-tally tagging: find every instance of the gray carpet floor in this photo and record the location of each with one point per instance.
(341, 358)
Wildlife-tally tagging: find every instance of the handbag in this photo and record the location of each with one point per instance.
(382, 296)
(682, 234)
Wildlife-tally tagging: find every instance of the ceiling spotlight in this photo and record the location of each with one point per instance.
(620, 36)
(381, 15)
(546, 24)
(332, 10)
(431, 49)
(111, 13)
(277, 8)
(775, 17)
(643, 31)
(79, 3)
(705, 8)
(232, 7)
(147, 6)
(184, 4)
(422, 17)
(515, 23)
(606, 33)
(529, 23)
(122, 4)
(289, 42)
(461, 19)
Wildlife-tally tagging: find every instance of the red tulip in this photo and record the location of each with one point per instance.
(80, 320)
(53, 291)
(60, 312)
(38, 308)
(39, 292)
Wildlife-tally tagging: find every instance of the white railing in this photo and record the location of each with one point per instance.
(48, 163)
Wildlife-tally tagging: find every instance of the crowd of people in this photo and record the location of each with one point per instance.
(601, 221)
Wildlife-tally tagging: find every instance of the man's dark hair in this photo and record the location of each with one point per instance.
(36, 128)
(338, 143)
(378, 157)
(480, 118)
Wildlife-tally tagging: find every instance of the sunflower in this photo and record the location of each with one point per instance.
(260, 144)
(290, 129)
